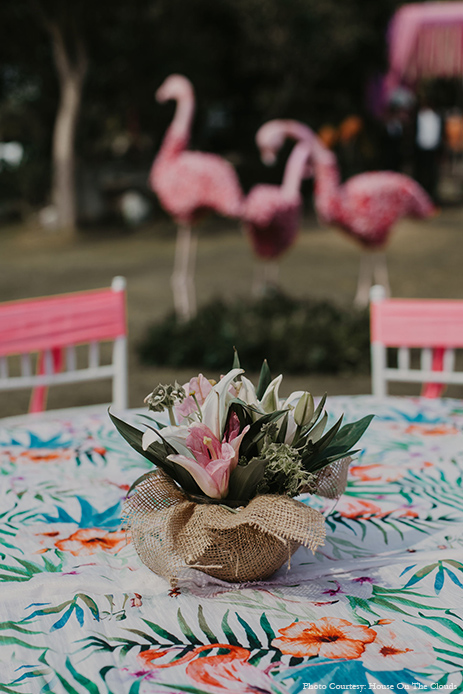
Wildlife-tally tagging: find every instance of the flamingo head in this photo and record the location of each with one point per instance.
(270, 138)
(174, 87)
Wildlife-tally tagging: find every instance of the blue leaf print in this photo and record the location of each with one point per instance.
(454, 577)
(439, 580)
(63, 619)
(80, 615)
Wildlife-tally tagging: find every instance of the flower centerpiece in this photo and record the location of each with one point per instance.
(228, 466)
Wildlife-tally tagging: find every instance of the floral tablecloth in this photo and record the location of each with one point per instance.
(380, 605)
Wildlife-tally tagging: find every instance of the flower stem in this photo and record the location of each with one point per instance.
(172, 416)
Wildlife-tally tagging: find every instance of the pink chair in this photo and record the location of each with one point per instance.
(433, 325)
(53, 327)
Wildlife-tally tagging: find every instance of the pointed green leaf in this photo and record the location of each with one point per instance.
(81, 679)
(245, 479)
(162, 632)
(236, 360)
(203, 625)
(317, 431)
(156, 454)
(253, 640)
(186, 630)
(317, 413)
(265, 379)
(232, 640)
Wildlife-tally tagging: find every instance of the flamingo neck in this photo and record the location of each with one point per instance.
(296, 130)
(327, 181)
(178, 134)
(295, 168)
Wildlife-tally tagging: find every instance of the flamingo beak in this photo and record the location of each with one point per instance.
(268, 156)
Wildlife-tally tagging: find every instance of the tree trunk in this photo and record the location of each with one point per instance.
(71, 69)
(63, 157)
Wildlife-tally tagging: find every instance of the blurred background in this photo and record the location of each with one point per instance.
(80, 128)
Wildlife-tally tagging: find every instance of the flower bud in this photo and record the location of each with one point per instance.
(304, 409)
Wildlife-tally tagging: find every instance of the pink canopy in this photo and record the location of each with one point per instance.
(425, 40)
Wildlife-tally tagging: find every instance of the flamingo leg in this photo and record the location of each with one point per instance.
(191, 285)
(364, 280)
(380, 272)
(266, 277)
(179, 279)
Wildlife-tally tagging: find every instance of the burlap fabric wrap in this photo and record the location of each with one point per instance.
(171, 533)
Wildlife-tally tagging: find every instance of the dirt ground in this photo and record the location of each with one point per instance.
(425, 259)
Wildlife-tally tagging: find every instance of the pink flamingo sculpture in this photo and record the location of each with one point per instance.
(366, 206)
(188, 185)
(272, 216)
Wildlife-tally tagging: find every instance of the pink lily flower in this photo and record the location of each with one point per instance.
(212, 460)
(199, 387)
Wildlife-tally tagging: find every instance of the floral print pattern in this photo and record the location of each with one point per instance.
(380, 603)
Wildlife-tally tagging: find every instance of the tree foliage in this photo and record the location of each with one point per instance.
(250, 60)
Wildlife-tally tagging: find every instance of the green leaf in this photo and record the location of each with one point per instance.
(283, 429)
(245, 479)
(236, 360)
(351, 433)
(186, 630)
(265, 624)
(316, 432)
(253, 640)
(340, 446)
(156, 454)
(91, 604)
(203, 625)
(162, 632)
(255, 433)
(317, 413)
(232, 640)
(325, 440)
(265, 379)
(446, 623)
(81, 679)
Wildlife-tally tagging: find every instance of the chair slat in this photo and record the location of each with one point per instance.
(71, 359)
(449, 360)
(404, 358)
(426, 359)
(93, 355)
(48, 362)
(26, 365)
(3, 368)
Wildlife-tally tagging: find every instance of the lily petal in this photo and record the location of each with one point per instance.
(200, 475)
(235, 443)
(150, 436)
(270, 401)
(215, 408)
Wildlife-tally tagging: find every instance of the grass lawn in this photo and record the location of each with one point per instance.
(425, 260)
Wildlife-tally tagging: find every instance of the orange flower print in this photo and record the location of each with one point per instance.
(87, 541)
(431, 430)
(229, 671)
(358, 508)
(390, 652)
(376, 473)
(328, 637)
(41, 455)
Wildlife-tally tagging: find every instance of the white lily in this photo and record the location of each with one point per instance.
(176, 436)
(247, 394)
(215, 408)
(303, 412)
(270, 401)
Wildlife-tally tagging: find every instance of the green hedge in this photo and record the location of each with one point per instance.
(300, 335)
